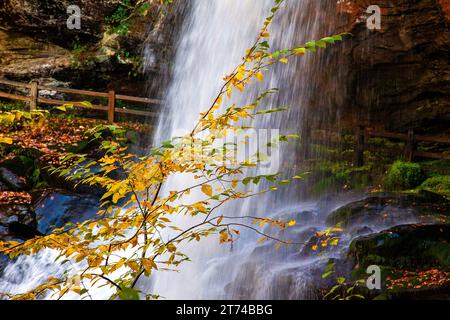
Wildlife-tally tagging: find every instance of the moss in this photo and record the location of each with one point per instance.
(403, 176)
(12, 105)
(438, 184)
(404, 247)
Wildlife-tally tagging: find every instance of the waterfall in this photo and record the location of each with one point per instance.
(214, 38)
(215, 35)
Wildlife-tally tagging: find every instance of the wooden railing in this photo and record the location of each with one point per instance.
(411, 139)
(362, 143)
(34, 100)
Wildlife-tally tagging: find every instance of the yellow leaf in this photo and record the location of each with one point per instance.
(6, 140)
(207, 189)
(292, 223)
(284, 60)
(300, 51)
(260, 76)
(314, 247)
(234, 184)
(171, 247)
(224, 237)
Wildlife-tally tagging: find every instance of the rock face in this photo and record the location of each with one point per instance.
(35, 43)
(22, 57)
(56, 208)
(399, 76)
(414, 261)
(408, 246)
(388, 209)
(49, 19)
(17, 221)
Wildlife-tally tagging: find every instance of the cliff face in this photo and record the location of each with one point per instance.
(35, 44)
(48, 18)
(399, 76)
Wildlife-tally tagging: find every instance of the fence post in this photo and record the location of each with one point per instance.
(111, 106)
(34, 93)
(360, 144)
(306, 142)
(410, 143)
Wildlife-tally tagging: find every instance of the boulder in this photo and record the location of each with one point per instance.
(407, 246)
(17, 221)
(385, 210)
(12, 181)
(56, 208)
(414, 261)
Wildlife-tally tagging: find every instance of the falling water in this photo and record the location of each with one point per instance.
(214, 38)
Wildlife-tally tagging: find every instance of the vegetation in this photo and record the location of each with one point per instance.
(125, 242)
(403, 176)
(438, 184)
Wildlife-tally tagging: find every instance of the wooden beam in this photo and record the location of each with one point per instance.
(383, 134)
(137, 99)
(137, 112)
(15, 84)
(34, 95)
(14, 97)
(438, 139)
(111, 106)
(360, 145)
(76, 91)
(432, 155)
(410, 145)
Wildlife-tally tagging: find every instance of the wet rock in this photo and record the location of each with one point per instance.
(389, 209)
(17, 221)
(11, 180)
(57, 182)
(56, 208)
(4, 260)
(3, 187)
(407, 246)
(414, 261)
(16, 172)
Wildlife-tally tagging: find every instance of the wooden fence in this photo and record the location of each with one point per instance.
(34, 99)
(411, 139)
(363, 134)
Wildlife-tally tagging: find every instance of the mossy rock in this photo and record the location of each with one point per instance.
(19, 172)
(389, 209)
(439, 184)
(404, 176)
(407, 246)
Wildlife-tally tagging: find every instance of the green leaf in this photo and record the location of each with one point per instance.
(271, 110)
(129, 294)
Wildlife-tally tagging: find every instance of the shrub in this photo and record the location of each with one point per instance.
(439, 184)
(404, 175)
